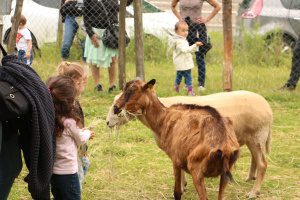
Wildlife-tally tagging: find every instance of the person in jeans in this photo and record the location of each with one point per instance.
(191, 12)
(295, 69)
(69, 18)
(182, 57)
(65, 181)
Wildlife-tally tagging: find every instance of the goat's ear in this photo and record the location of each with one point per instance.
(149, 85)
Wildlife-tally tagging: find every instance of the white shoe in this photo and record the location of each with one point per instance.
(201, 88)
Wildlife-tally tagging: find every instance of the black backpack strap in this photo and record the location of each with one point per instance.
(3, 50)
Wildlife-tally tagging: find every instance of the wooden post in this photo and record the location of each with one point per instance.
(139, 39)
(227, 35)
(122, 45)
(14, 27)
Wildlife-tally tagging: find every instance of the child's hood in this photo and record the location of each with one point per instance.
(175, 39)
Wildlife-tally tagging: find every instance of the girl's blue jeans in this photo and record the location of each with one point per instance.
(65, 187)
(186, 74)
(23, 59)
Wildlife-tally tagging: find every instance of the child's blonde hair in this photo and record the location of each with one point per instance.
(179, 23)
(73, 70)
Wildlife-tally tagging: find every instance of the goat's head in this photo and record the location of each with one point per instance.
(116, 120)
(135, 97)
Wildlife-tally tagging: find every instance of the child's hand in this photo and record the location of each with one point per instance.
(27, 55)
(92, 135)
(199, 44)
(95, 40)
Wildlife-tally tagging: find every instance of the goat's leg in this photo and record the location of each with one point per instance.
(199, 184)
(258, 153)
(177, 186)
(183, 181)
(223, 184)
(252, 171)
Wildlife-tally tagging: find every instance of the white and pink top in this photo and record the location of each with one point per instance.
(66, 147)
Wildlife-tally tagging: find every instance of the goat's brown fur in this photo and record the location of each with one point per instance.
(196, 138)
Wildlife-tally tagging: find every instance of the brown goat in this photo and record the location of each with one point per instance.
(196, 138)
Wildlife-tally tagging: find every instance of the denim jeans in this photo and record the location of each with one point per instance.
(201, 68)
(23, 59)
(186, 74)
(10, 162)
(295, 70)
(71, 28)
(65, 187)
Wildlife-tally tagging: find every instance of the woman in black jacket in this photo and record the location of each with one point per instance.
(96, 21)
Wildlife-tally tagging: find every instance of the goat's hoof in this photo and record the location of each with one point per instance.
(252, 194)
(250, 179)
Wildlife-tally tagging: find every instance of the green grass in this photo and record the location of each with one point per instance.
(128, 164)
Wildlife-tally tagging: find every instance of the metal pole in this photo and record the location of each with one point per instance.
(227, 34)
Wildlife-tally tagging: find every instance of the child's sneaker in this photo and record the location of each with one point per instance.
(191, 93)
(201, 88)
(176, 88)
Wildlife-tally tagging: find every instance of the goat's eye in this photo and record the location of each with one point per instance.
(120, 115)
(116, 110)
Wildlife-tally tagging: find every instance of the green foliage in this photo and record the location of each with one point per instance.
(127, 164)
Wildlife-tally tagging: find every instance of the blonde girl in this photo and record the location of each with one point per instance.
(77, 73)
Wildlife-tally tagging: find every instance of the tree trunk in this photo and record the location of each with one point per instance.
(139, 39)
(14, 28)
(227, 35)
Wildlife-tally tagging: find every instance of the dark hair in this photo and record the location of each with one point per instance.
(63, 91)
(23, 20)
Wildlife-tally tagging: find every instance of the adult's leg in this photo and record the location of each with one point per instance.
(71, 27)
(112, 72)
(295, 70)
(96, 74)
(201, 68)
(10, 162)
